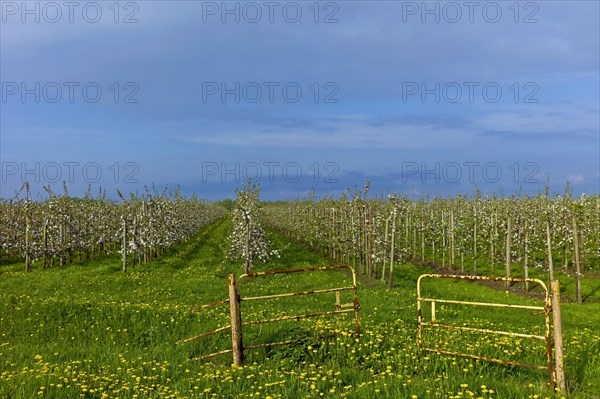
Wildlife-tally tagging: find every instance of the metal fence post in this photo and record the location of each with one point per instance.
(237, 345)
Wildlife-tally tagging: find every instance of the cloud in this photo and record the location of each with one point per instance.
(369, 54)
(341, 133)
(575, 178)
(585, 136)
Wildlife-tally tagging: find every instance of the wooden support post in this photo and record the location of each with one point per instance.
(62, 237)
(356, 305)
(507, 265)
(391, 277)
(248, 265)
(422, 239)
(45, 238)
(433, 312)
(27, 245)
(558, 339)
(549, 244)
(443, 239)
(475, 241)
(526, 261)
(124, 246)
(577, 262)
(387, 223)
(338, 304)
(237, 345)
(452, 241)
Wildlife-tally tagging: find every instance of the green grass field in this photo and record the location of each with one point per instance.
(90, 331)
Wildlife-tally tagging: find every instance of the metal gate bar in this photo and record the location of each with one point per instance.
(433, 324)
(206, 334)
(291, 341)
(497, 305)
(487, 359)
(209, 305)
(507, 333)
(235, 300)
(254, 298)
(211, 355)
(304, 316)
(354, 306)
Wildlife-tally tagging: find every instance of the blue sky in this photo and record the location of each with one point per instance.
(420, 98)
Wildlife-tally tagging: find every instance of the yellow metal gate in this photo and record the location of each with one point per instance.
(235, 300)
(434, 324)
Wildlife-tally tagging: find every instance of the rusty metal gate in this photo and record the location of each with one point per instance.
(235, 300)
(434, 324)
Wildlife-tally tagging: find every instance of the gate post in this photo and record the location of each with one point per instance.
(237, 345)
(558, 338)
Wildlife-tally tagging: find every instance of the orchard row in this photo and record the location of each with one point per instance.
(62, 228)
(478, 234)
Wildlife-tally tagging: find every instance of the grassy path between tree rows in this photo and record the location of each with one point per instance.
(90, 331)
